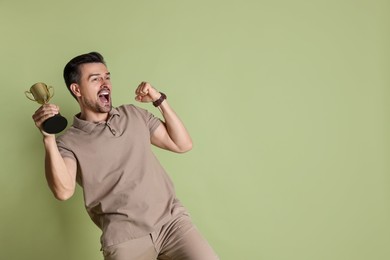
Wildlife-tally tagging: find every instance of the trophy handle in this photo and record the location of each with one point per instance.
(51, 91)
(29, 93)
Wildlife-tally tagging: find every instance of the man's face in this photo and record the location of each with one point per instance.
(95, 88)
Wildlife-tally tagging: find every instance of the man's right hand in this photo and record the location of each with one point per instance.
(43, 113)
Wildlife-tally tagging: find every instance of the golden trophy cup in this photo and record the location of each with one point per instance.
(41, 93)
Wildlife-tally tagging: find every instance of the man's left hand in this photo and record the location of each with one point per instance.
(145, 92)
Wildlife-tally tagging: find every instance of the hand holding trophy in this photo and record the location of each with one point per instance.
(41, 94)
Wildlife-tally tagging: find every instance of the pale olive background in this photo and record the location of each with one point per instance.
(287, 103)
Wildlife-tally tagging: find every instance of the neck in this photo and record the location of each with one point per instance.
(93, 116)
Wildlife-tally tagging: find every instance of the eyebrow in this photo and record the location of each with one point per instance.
(97, 74)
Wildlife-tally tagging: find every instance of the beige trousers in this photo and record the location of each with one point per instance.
(177, 240)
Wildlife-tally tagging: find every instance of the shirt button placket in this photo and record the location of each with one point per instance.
(113, 131)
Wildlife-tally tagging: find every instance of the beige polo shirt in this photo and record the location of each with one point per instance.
(127, 192)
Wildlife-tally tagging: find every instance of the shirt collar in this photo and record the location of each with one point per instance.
(88, 126)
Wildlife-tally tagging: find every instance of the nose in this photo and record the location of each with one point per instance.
(104, 82)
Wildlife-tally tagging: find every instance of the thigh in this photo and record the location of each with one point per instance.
(184, 242)
(135, 249)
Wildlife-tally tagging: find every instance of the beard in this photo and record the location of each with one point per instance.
(97, 106)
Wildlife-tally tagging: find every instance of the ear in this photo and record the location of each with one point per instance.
(75, 88)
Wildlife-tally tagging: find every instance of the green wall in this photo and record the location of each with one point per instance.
(287, 103)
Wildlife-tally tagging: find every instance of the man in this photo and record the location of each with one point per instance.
(108, 152)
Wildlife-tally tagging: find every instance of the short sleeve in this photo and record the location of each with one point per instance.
(64, 151)
(153, 123)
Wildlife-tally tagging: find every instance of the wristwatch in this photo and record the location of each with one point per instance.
(160, 100)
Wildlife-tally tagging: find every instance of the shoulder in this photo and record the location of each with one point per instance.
(129, 107)
(133, 110)
(67, 137)
(135, 113)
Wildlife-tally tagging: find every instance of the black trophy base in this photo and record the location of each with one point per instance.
(55, 124)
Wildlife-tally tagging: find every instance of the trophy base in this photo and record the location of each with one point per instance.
(55, 124)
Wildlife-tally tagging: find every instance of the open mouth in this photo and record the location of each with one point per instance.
(104, 96)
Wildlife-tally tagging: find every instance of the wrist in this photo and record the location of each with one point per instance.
(161, 99)
(48, 138)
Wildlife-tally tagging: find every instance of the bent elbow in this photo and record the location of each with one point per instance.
(185, 148)
(63, 196)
